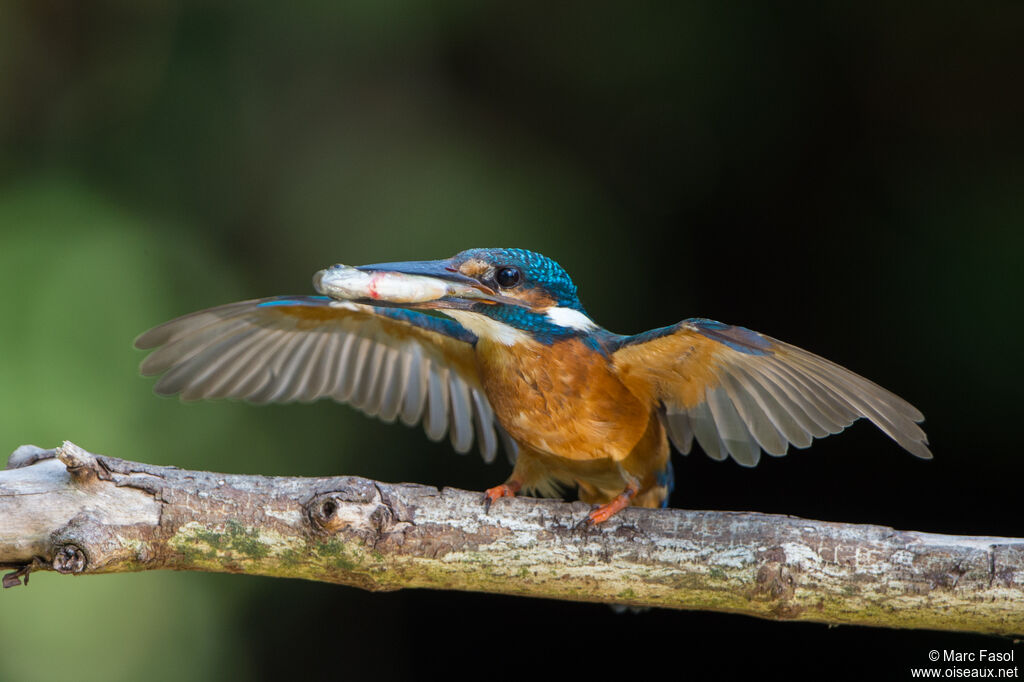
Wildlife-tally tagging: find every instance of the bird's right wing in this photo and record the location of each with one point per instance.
(738, 392)
(388, 362)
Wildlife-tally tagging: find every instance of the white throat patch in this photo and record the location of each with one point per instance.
(488, 328)
(568, 317)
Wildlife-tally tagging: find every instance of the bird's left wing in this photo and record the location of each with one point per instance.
(388, 362)
(739, 392)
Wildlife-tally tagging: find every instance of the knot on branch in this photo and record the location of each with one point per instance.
(70, 559)
(777, 581)
(359, 507)
(89, 542)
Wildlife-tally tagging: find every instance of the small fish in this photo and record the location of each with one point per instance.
(348, 283)
(386, 285)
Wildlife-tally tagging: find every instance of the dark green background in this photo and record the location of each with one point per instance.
(843, 176)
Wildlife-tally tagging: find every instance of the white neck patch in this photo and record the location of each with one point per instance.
(568, 317)
(489, 328)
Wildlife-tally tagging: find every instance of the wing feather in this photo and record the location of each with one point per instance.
(369, 379)
(388, 362)
(761, 426)
(871, 402)
(510, 445)
(208, 377)
(462, 414)
(347, 367)
(484, 423)
(251, 377)
(778, 413)
(739, 392)
(278, 367)
(436, 423)
(356, 374)
(732, 429)
(324, 356)
(416, 389)
(819, 424)
(297, 368)
(791, 404)
(704, 428)
(391, 383)
(680, 431)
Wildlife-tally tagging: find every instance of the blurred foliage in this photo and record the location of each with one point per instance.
(842, 176)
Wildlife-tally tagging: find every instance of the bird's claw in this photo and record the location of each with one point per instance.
(597, 515)
(585, 524)
(603, 512)
(496, 493)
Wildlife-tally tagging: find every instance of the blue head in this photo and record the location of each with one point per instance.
(523, 275)
(532, 294)
(540, 298)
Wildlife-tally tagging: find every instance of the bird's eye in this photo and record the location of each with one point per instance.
(507, 277)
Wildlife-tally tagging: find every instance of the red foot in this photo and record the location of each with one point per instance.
(508, 489)
(606, 511)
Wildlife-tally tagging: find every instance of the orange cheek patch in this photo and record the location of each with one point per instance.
(474, 267)
(536, 298)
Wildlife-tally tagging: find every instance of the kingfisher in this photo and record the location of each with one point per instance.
(507, 355)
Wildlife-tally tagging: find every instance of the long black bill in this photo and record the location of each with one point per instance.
(439, 269)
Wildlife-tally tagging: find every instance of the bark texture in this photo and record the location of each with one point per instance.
(74, 512)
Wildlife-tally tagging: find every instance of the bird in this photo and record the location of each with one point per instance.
(508, 355)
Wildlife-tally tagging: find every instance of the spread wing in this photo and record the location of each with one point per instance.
(738, 392)
(388, 362)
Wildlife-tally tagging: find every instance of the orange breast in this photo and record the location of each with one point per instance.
(564, 399)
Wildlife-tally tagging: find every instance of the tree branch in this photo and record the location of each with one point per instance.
(75, 512)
